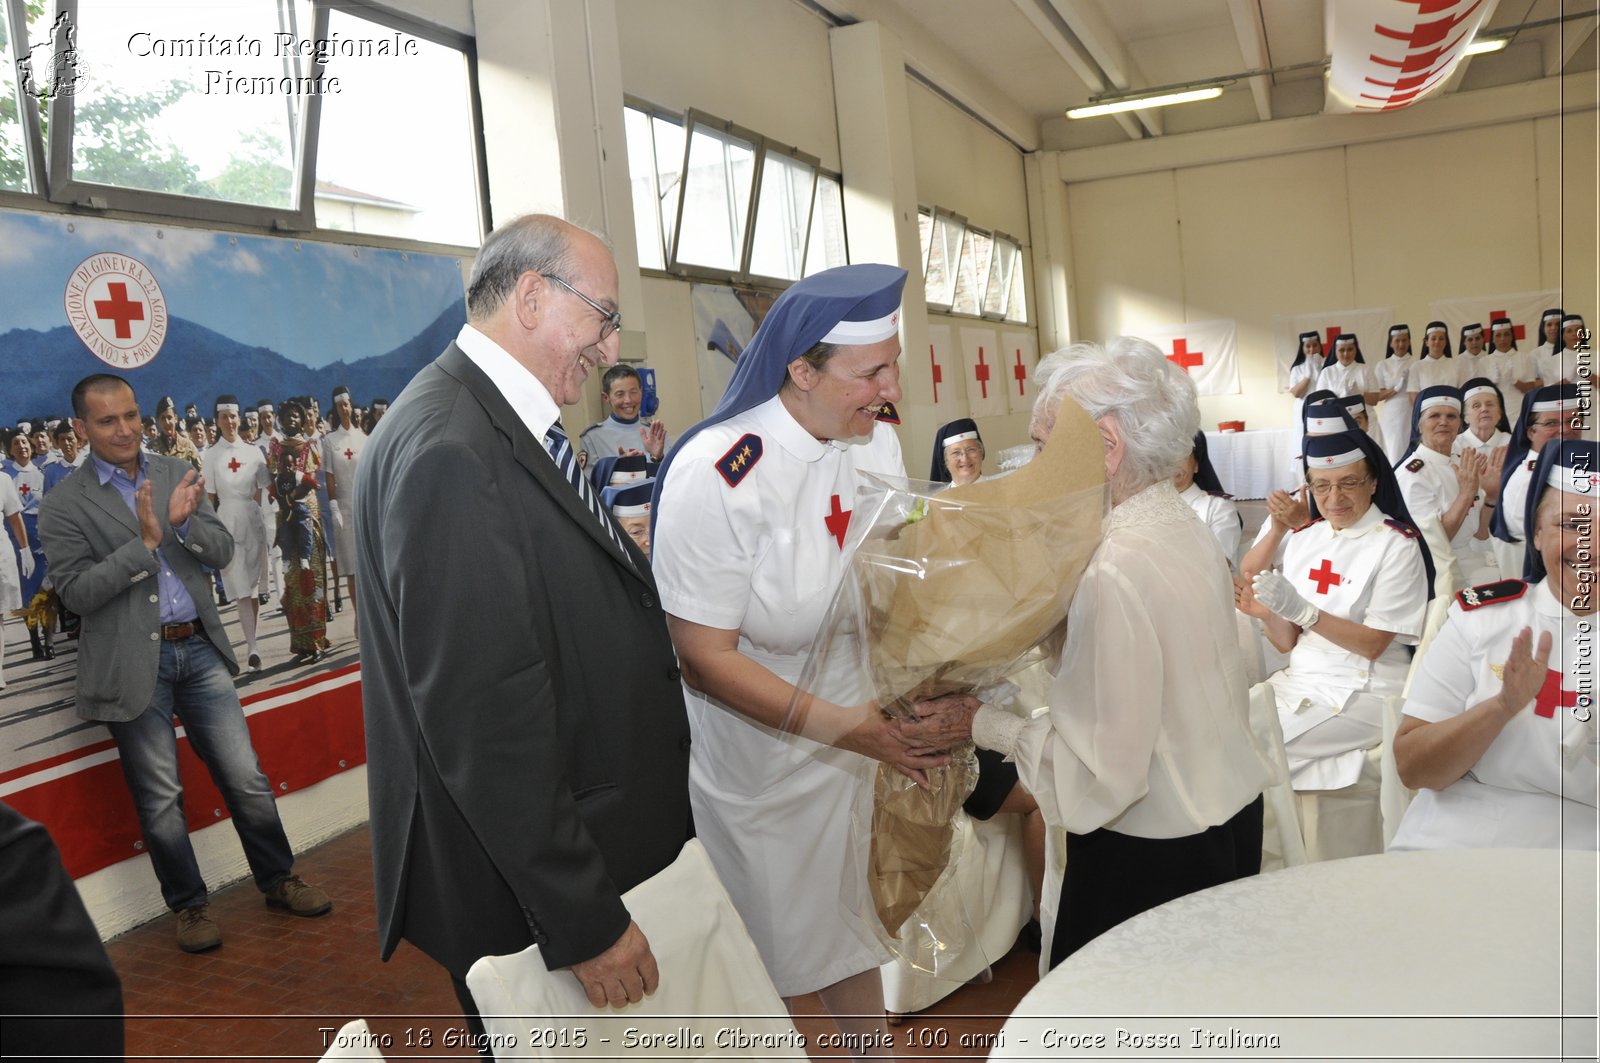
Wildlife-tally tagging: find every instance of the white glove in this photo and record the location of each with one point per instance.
(1279, 595)
(26, 557)
(338, 518)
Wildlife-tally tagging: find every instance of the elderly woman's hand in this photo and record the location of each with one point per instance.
(884, 739)
(1524, 673)
(1289, 511)
(941, 722)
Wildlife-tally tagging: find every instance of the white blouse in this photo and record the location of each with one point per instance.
(1345, 380)
(1148, 731)
(1221, 516)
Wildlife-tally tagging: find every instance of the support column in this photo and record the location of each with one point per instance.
(880, 200)
(1054, 289)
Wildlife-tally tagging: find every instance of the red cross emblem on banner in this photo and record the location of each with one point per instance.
(938, 374)
(1325, 577)
(1551, 696)
(981, 371)
(838, 521)
(233, 465)
(1183, 358)
(1520, 332)
(1332, 333)
(349, 455)
(1020, 371)
(119, 309)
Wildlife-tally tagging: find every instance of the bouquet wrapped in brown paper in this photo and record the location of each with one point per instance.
(950, 590)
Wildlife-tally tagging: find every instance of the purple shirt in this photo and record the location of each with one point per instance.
(176, 605)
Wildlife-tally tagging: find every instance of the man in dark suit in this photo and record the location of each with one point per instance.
(520, 778)
(129, 537)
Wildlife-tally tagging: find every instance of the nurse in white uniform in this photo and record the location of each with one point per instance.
(1436, 366)
(1549, 342)
(341, 453)
(1198, 485)
(1350, 600)
(1499, 734)
(1510, 368)
(1486, 429)
(1397, 394)
(1308, 361)
(1548, 413)
(1349, 373)
(236, 477)
(1452, 500)
(750, 522)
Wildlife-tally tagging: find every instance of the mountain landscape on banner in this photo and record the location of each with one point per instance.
(196, 364)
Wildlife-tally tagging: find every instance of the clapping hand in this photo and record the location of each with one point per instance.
(1289, 511)
(1468, 469)
(1276, 593)
(1494, 464)
(185, 498)
(1525, 672)
(654, 436)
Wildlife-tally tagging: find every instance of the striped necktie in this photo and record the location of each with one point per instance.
(566, 459)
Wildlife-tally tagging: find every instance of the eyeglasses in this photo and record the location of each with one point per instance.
(613, 318)
(1345, 487)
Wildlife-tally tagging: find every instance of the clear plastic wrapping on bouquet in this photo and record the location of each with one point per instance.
(948, 590)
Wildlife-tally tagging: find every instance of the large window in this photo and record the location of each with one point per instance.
(288, 114)
(971, 271)
(726, 202)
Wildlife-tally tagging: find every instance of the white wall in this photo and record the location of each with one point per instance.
(1398, 222)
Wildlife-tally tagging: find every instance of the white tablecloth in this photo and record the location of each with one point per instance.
(1252, 463)
(1484, 953)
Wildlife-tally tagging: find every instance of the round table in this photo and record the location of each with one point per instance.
(1486, 953)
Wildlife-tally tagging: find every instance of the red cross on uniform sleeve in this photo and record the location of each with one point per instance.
(981, 371)
(838, 521)
(938, 374)
(1183, 358)
(119, 309)
(1325, 576)
(1551, 696)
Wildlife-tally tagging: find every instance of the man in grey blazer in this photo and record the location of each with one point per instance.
(127, 539)
(524, 772)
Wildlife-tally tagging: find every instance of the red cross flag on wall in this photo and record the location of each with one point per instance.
(1207, 350)
(944, 366)
(1370, 325)
(1021, 357)
(984, 362)
(1523, 308)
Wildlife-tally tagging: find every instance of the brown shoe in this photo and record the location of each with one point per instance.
(297, 898)
(197, 932)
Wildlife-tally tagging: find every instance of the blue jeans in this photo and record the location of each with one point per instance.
(194, 684)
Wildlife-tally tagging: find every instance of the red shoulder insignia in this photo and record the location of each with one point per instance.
(1309, 523)
(888, 413)
(1415, 465)
(1402, 527)
(1507, 590)
(740, 459)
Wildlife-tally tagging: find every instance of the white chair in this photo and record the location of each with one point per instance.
(1281, 841)
(354, 1041)
(986, 892)
(1345, 822)
(713, 985)
(1393, 795)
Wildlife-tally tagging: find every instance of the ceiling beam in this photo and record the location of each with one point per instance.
(1073, 55)
(1088, 23)
(1570, 36)
(1253, 46)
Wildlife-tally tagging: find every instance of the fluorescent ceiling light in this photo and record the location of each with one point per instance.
(1489, 44)
(1139, 103)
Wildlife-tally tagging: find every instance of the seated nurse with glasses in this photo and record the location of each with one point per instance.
(1351, 597)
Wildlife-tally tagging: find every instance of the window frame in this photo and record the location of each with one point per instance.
(998, 238)
(27, 113)
(950, 217)
(56, 190)
(811, 162)
(693, 118)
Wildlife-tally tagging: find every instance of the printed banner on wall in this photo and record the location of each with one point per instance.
(944, 366)
(193, 313)
(1370, 326)
(1523, 308)
(1021, 388)
(1388, 54)
(985, 371)
(1207, 350)
(725, 321)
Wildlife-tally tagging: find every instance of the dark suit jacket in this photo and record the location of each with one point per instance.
(103, 572)
(527, 744)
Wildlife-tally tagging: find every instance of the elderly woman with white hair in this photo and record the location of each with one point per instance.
(1145, 756)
